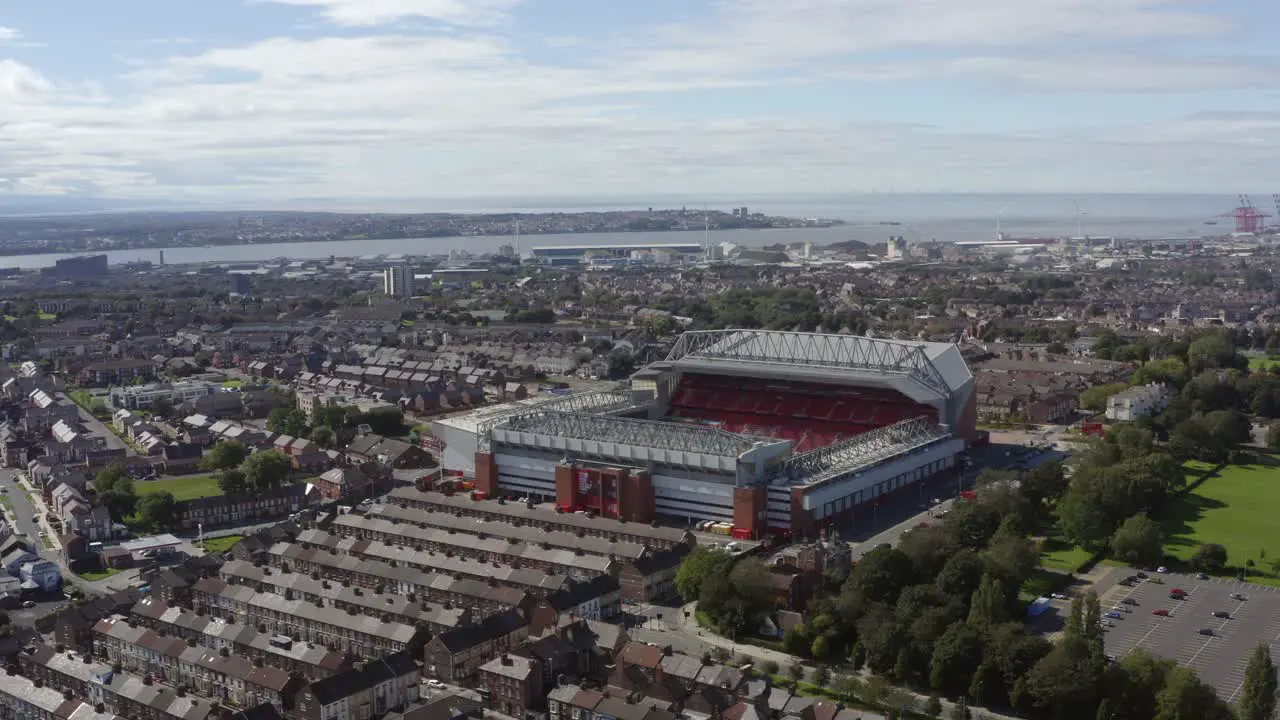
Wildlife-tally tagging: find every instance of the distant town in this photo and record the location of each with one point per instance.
(124, 231)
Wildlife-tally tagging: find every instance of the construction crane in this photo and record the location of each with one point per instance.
(1249, 220)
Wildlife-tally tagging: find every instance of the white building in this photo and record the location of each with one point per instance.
(1136, 402)
(397, 281)
(142, 396)
(43, 573)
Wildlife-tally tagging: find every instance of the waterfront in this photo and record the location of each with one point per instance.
(946, 218)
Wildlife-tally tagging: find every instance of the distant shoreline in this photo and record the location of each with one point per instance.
(20, 252)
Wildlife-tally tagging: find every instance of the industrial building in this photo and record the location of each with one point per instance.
(615, 254)
(766, 431)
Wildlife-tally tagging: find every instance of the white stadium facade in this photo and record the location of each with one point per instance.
(771, 432)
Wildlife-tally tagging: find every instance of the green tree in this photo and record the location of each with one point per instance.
(1214, 351)
(961, 575)
(955, 656)
(1184, 697)
(1065, 683)
(819, 649)
(1138, 541)
(225, 455)
(266, 471)
(769, 667)
(155, 511)
(323, 436)
(115, 490)
(287, 421)
(1210, 558)
(162, 407)
(1258, 694)
(795, 672)
(702, 562)
(821, 676)
(232, 482)
(990, 603)
(1095, 398)
(1273, 436)
(882, 573)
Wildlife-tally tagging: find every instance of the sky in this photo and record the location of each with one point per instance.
(308, 101)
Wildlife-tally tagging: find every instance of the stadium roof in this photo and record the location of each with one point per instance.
(650, 433)
(600, 402)
(938, 368)
(860, 451)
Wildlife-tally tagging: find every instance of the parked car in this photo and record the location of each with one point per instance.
(1115, 615)
(1237, 596)
(1058, 596)
(1141, 576)
(1206, 631)
(1157, 581)
(1128, 601)
(1162, 569)
(1202, 576)
(1161, 612)
(1222, 614)
(1177, 591)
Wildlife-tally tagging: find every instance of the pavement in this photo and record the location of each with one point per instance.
(1219, 659)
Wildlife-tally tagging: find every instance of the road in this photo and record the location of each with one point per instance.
(96, 427)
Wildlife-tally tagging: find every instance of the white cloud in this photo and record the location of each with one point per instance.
(20, 83)
(8, 34)
(363, 13)
(367, 113)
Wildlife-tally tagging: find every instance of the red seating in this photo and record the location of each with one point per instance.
(812, 415)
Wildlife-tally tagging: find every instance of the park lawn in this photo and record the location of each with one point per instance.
(221, 544)
(1264, 363)
(47, 316)
(96, 575)
(1058, 554)
(183, 488)
(81, 398)
(1043, 582)
(1236, 508)
(230, 384)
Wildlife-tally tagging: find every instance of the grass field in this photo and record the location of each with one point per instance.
(230, 384)
(183, 488)
(1237, 508)
(221, 544)
(1061, 555)
(96, 575)
(1264, 363)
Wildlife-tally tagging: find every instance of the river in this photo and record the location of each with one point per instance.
(921, 217)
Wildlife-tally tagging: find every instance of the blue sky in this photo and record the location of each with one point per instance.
(267, 101)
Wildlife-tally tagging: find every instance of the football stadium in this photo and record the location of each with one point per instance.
(770, 432)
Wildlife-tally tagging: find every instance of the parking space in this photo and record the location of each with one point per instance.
(1179, 629)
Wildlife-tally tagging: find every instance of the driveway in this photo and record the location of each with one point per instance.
(98, 428)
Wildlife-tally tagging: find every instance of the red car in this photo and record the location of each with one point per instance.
(1177, 591)
(1161, 612)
